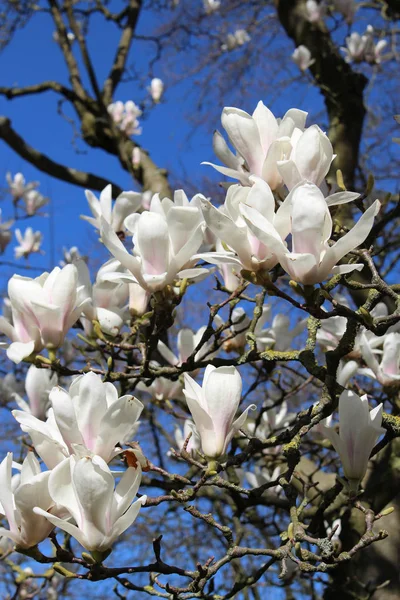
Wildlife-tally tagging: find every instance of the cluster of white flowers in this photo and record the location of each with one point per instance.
(362, 48)
(265, 221)
(235, 40)
(126, 116)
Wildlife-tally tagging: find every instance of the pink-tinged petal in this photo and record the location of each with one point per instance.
(186, 343)
(153, 243)
(244, 135)
(182, 221)
(223, 152)
(65, 525)
(126, 490)
(6, 495)
(242, 176)
(117, 249)
(301, 267)
(64, 413)
(184, 257)
(128, 518)
(308, 225)
(313, 155)
(18, 351)
(125, 204)
(267, 125)
(354, 238)
(279, 150)
(222, 388)
(116, 424)
(391, 354)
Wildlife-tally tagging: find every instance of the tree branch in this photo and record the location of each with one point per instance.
(341, 87)
(121, 56)
(45, 164)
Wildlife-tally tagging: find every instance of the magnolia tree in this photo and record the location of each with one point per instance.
(211, 411)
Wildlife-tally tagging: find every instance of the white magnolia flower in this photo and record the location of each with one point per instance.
(18, 186)
(162, 388)
(361, 48)
(187, 341)
(34, 200)
(29, 243)
(262, 475)
(125, 116)
(311, 259)
(106, 300)
(359, 430)
(43, 311)
(211, 6)
(229, 225)
(89, 418)
(72, 256)
(182, 435)
(19, 496)
(125, 204)
(85, 488)
(302, 57)
(164, 247)
(315, 11)
(235, 40)
(156, 89)
(38, 384)
(387, 371)
(213, 407)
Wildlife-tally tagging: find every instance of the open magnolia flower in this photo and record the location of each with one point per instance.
(302, 57)
(43, 311)
(29, 242)
(387, 371)
(89, 418)
(214, 406)
(18, 186)
(228, 224)
(38, 384)
(359, 430)
(260, 141)
(278, 151)
(125, 204)
(18, 497)
(312, 259)
(85, 488)
(107, 300)
(165, 247)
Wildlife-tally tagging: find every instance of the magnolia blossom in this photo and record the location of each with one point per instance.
(229, 225)
(272, 419)
(165, 247)
(18, 186)
(214, 406)
(187, 342)
(211, 6)
(156, 89)
(43, 310)
(387, 371)
(181, 436)
(125, 116)
(38, 384)
(89, 418)
(18, 497)
(125, 204)
(359, 430)
(72, 256)
(262, 475)
(107, 300)
(302, 57)
(85, 488)
(314, 11)
(278, 151)
(312, 259)
(29, 243)
(363, 48)
(5, 234)
(34, 200)
(236, 39)
(162, 388)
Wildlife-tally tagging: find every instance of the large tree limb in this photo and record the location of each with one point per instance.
(121, 55)
(341, 87)
(47, 165)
